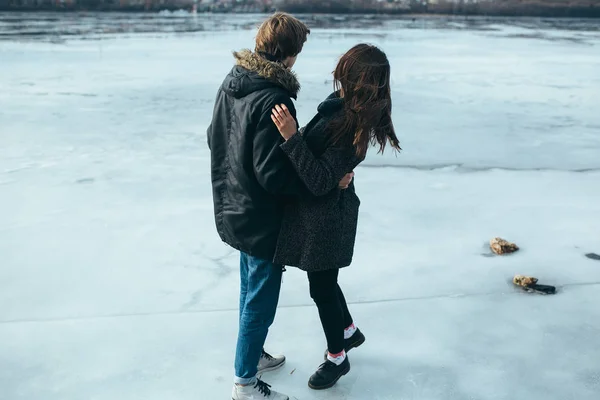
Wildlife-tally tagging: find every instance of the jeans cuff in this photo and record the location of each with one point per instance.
(244, 381)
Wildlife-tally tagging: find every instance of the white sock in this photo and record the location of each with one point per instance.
(337, 359)
(349, 331)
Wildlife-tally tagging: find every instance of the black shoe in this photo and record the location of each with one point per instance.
(328, 374)
(352, 342)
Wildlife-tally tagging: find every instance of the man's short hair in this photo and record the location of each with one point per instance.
(281, 36)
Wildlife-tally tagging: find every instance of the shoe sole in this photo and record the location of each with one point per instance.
(287, 398)
(356, 344)
(344, 372)
(270, 369)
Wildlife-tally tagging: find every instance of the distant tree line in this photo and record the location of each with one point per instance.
(131, 5)
(329, 6)
(538, 8)
(542, 8)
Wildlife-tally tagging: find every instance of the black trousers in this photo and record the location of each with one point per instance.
(333, 310)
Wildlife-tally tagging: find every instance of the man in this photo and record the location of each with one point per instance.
(252, 181)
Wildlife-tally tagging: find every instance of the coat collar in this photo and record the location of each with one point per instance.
(273, 71)
(331, 105)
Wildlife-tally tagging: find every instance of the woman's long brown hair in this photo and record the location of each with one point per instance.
(362, 77)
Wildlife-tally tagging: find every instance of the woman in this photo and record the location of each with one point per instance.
(318, 233)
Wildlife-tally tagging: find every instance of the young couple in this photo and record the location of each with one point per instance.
(284, 196)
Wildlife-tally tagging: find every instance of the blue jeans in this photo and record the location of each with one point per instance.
(259, 295)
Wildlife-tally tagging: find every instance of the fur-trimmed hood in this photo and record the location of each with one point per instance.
(273, 72)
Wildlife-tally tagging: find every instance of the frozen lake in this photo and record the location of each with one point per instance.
(115, 285)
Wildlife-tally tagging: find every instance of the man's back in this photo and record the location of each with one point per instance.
(251, 176)
(252, 179)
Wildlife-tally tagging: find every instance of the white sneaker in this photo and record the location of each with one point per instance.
(268, 362)
(256, 391)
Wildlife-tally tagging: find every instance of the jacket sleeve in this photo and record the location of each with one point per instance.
(273, 170)
(320, 175)
(209, 136)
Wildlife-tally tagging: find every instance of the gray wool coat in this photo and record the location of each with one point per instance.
(318, 233)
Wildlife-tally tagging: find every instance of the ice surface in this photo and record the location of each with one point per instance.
(114, 284)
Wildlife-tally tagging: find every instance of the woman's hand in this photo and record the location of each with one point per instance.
(284, 121)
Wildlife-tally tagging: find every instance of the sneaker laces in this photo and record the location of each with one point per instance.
(263, 387)
(267, 356)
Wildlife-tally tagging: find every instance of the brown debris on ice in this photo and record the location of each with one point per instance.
(524, 281)
(501, 246)
(530, 285)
